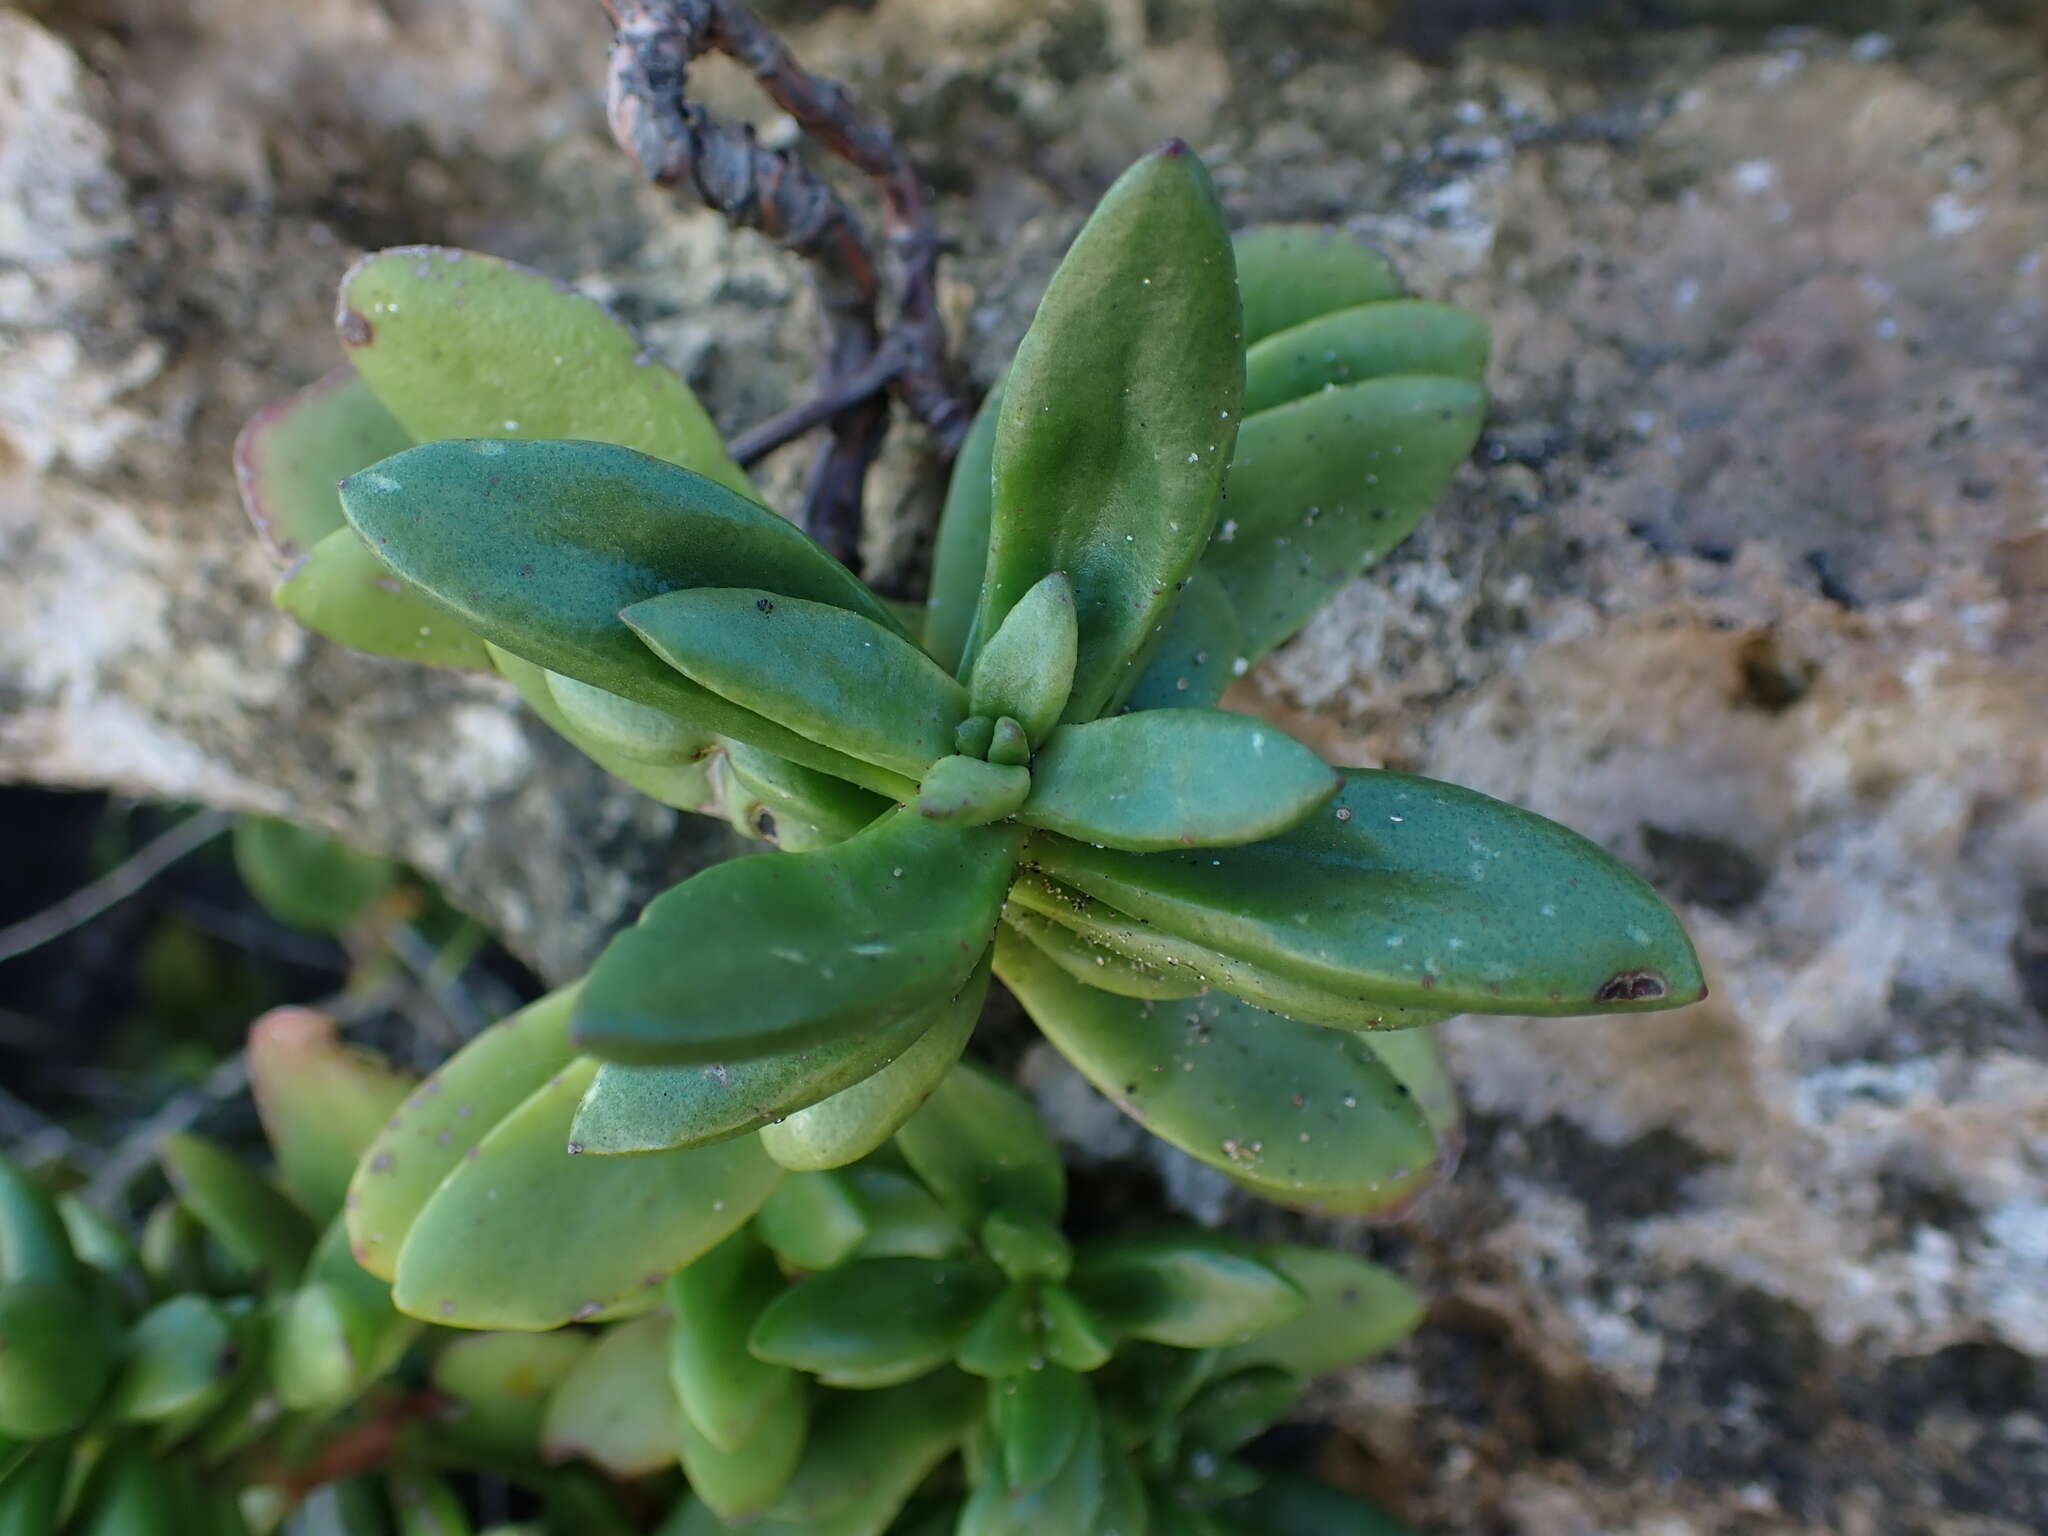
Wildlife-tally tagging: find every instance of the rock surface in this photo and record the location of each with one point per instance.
(1749, 581)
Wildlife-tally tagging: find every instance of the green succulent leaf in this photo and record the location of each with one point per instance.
(855, 1121)
(827, 674)
(1075, 1337)
(321, 1102)
(337, 1333)
(180, 1355)
(979, 1146)
(260, 1229)
(1301, 1114)
(869, 1453)
(1038, 1418)
(521, 1236)
(745, 1481)
(619, 726)
(57, 1350)
(444, 1121)
(34, 1241)
(615, 1407)
(1117, 422)
(1005, 1338)
(32, 1488)
(461, 345)
(726, 1393)
(787, 951)
(1025, 670)
(967, 792)
(1026, 1247)
(807, 809)
(874, 1322)
(1419, 894)
(503, 1382)
(426, 1506)
(1238, 1406)
(1201, 651)
(306, 879)
(340, 590)
(1322, 487)
(1356, 1309)
(1097, 965)
(1174, 778)
(686, 786)
(1289, 273)
(1008, 744)
(1411, 1055)
(813, 1221)
(1190, 1292)
(1071, 1499)
(1294, 1506)
(293, 453)
(904, 1220)
(960, 555)
(538, 547)
(1371, 341)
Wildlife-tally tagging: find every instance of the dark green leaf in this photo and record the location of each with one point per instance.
(725, 1392)
(904, 1220)
(305, 879)
(321, 1102)
(812, 1221)
(57, 1351)
(974, 736)
(960, 556)
(249, 1216)
(1174, 778)
(809, 809)
(1420, 894)
(293, 453)
(1373, 341)
(853, 1122)
(1200, 653)
(521, 1236)
(1025, 670)
(869, 1453)
(783, 951)
(179, 1355)
(829, 675)
(462, 345)
(980, 1147)
(539, 546)
(1322, 487)
(1074, 1336)
(1234, 1408)
(1005, 1339)
(967, 792)
(1026, 1247)
(1294, 1506)
(1190, 1292)
(1038, 1418)
(1099, 966)
(340, 590)
(1302, 1114)
(874, 1322)
(1289, 273)
(1071, 1500)
(34, 1243)
(749, 1478)
(1118, 419)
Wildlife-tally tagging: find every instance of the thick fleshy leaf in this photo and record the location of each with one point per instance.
(503, 1382)
(427, 1506)
(1372, 341)
(445, 1119)
(749, 1478)
(1289, 273)
(1321, 487)
(829, 675)
(461, 345)
(960, 555)
(1098, 965)
(853, 1122)
(651, 1109)
(782, 951)
(1026, 1247)
(1038, 1418)
(1355, 1310)
(812, 1221)
(1142, 944)
(874, 1322)
(1422, 894)
(1118, 419)
(869, 1453)
(1006, 1338)
(725, 1392)
(1174, 778)
(1074, 1336)
(1009, 746)
(1304, 1115)
(293, 453)
(539, 546)
(306, 879)
(1239, 1405)
(1411, 1055)
(615, 1407)
(321, 1102)
(34, 1241)
(249, 1216)
(338, 1333)
(904, 1220)
(521, 1236)
(340, 590)
(1200, 653)
(1294, 1506)
(1190, 1292)
(980, 1147)
(1071, 1499)
(686, 786)
(178, 1356)
(636, 731)
(967, 792)
(1025, 670)
(58, 1347)
(806, 809)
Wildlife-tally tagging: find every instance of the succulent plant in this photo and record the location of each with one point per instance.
(1197, 444)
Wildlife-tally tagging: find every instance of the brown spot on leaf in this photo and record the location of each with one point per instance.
(354, 327)
(1632, 987)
